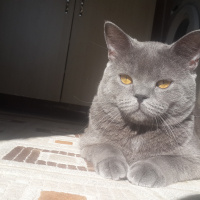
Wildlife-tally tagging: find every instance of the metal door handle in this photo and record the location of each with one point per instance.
(81, 8)
(67, 6)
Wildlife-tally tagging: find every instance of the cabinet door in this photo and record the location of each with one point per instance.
(87, 56)
(34, 37)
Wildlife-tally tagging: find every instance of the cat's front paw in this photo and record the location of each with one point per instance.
(112, 168)
(146, 174)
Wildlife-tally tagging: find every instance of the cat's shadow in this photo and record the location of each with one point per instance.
(192, 197)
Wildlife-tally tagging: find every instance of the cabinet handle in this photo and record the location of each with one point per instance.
(81, 8)
(67, 6)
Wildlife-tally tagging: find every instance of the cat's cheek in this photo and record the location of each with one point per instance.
(165, 97)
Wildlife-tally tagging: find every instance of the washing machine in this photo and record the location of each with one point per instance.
(175, 18)
(184, 18)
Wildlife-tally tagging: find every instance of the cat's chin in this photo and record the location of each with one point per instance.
(139, 117)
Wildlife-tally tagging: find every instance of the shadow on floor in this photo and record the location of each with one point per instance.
(50, 118)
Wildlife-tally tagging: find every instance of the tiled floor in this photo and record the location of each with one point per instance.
(40, 160)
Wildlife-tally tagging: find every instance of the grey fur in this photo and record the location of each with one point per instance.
(152, 143)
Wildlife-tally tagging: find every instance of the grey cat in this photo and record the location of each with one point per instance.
(141, 122)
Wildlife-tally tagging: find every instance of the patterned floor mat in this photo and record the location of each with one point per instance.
(40, 160)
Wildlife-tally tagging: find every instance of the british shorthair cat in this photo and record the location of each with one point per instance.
(141, 122)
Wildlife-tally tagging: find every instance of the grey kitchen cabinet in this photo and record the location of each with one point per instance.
(46, 53)
(34, 38)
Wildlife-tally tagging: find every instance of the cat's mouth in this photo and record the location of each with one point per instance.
(140, 115)
(141, 109)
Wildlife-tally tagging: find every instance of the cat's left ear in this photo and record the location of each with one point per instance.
(188, 48)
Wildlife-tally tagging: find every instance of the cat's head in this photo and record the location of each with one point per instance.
(150, 81)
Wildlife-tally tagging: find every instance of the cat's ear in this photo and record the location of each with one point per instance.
(117, 41)
(188, 48)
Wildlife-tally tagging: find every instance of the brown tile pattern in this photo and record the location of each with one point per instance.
(51, 195)
(77, 135)
(41, 162)
(82, 168)
(72, 167)
(12, 154)
(64, 142)
(90, 166)
(44, 150)
(23, 155)
(53, 164)
(62, 166)
(31, 155)
(62, 152)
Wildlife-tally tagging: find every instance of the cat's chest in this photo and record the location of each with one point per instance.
(127, 141)
(136, 146)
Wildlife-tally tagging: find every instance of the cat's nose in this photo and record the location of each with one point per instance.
(140, 97)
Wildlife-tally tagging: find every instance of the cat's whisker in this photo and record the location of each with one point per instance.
(177, 123)
(171, 133)
(170, 129)
(158, 109)
(179, 150)
(105, 129)
(170, 126)
(187, 134)
(189, 156)
(106, 117)
(96, 44)
(87, 102)
(165, 128)
(156, 122)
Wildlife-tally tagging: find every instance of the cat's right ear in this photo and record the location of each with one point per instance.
(188, 48)
(118, 42)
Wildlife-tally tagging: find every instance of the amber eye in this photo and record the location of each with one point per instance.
(163, 84)
(125, 79)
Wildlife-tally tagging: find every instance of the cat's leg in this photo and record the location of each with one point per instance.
(108, 161)
(164, 170)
